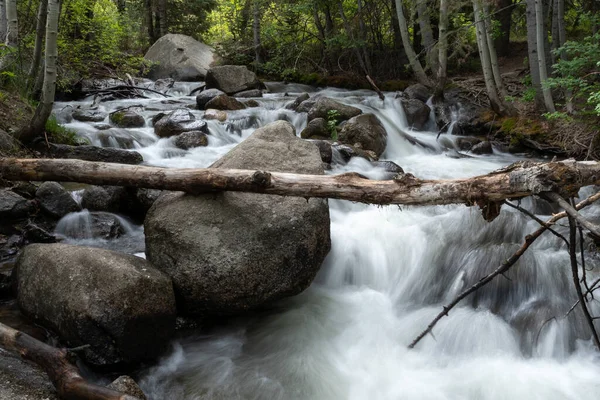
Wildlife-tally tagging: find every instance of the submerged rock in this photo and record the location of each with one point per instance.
(176, 122)
(127, 119)
(232, 79)
(189, 140)
(417, 113)
(229, 252)
(205, 96)
(118, 304)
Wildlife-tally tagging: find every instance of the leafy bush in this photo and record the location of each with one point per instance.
(61, 135)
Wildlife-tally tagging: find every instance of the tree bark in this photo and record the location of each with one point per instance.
(3, 21)
(64, 376)
(43, 110)
(427, 38)
(492, 52)
(163, 26)
(256, 31)
(532, 50)
(515, 181)
(415, 64)
(542, 65)
(39, 41)
(442, 49)
(12, 34)
(504, 16)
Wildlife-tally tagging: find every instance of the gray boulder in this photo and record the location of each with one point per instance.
(246, 94)
(103, 198)
(89, 115)
(417, 113)
(189, 140)
(316, 129)
(55, 200)
(178, 121)
(482, 148)
(224, 102)
(324, 105)
(205, 96)
(325, 150)
(296, 103)
(306, 105)
(418, 91)
(125, 384)
(180, 57)
(232, 79)
(229, 252)
(89, 153)
(13, 206)
(364, 131)
(127, 119)
(346, 152)
(118, 304)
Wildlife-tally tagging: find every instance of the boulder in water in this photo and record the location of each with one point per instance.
(178, 121)
(418, 91)
(55, 200)
(482, 148)
(89, 115)
(127, 119)
(324, 107)
(232, 79)
(90, 225)
(116, 303)
(13, 206)
(296, 103)
(180, 57)
(347, 152)
(189, 140)
(229, 252)
(365, 130)
(417, 113)
(205, 96)
(218, 115)
(316, 129)
(246, 94)
(224, 102)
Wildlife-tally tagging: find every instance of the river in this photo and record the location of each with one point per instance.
(388, 274)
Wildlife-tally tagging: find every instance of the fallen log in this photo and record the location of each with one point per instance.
(515, 181)
(65, 377)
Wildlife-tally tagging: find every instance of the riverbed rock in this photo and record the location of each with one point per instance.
(229, 252)
(417, 113)
(116, 303)
(224, 102)
(178, 121)
(347, 152)
(127, 119)
(246, 94)
(316, 129)
(189, 140)
(13, 206)
(306, 105)
(365, 130)
(89, 153)
(482, 148)
(296, 103)
(103, 198)
(324, 105)
(466, 143)
(126, 385)
(232, 79)
(55, 200)
(463, 116)
(325, 150)
(218, 115)
(180, 57)
(418, 91)
(89, 115)
(90, 225)
(205, 96)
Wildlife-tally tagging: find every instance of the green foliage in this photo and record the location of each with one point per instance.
(557, 115)
(528, 95)
(332, 121)
(61, 135)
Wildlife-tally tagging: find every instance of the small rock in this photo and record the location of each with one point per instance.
(316, 129)
(366, 130)
(176, 122)
(306, 105)
(13, 206)
(126, 385)
(215, 114)
(189, 140)
(103, 198)
(127, 119)
(324, 105)
(296, 103)
(102, 127)
(325, 150)
(55, 200)
(417, 113)
(389, 166)
(205, 96)
(466, 143)
(249, 93)
(482, 148)
(251, 103)
(224, 102)
(418, 91)
(89, 115)
(347, 152)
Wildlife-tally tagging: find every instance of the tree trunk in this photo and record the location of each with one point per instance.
(504, 16)
(540, 39)
(562, 38)
(3, 21)
(484, 55)
(489, 36)
(163, 26)
(415, 64)
(427, 38)
(150, 21)
(12, 34)
(515, 181)
(256, 32)
(442, 50)
(64, 376)
(39, 41)
(363, 36)
(532, 49)
(43, 110)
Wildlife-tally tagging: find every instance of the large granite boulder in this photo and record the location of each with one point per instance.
(176, 122)
(54, 199)
(417, 113)
(116, 303)
(327, 108)
(127, 119)
(366, 132)
(228, 252)
(316, 129)
(180, 57)
(232, 79)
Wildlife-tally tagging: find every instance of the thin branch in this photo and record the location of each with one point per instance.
(536, 219)
(555, 197)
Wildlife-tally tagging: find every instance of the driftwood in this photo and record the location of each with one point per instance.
(64, 376)
(515, 181)
(375, 88)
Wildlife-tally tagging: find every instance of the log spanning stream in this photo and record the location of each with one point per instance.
(388, 274)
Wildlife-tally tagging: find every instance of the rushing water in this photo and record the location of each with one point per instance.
(388, 274)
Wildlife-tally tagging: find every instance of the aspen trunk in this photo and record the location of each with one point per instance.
(540, 39)
(163, 26)
(12, 34)
(64, 376)
(39, 42)
(532, 53)
(3, 21)
(492, 52)
(427, 34)
(415, 64)
(256, 31)
(516, 181)
(43, 110)
(442, 49)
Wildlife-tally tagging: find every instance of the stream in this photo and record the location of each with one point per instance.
(388, 274)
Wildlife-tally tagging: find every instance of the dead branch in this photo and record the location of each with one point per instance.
(595, 230)
(65, 377)
(375, 88)
(121, 88)
(516, 181)
(529, 239)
